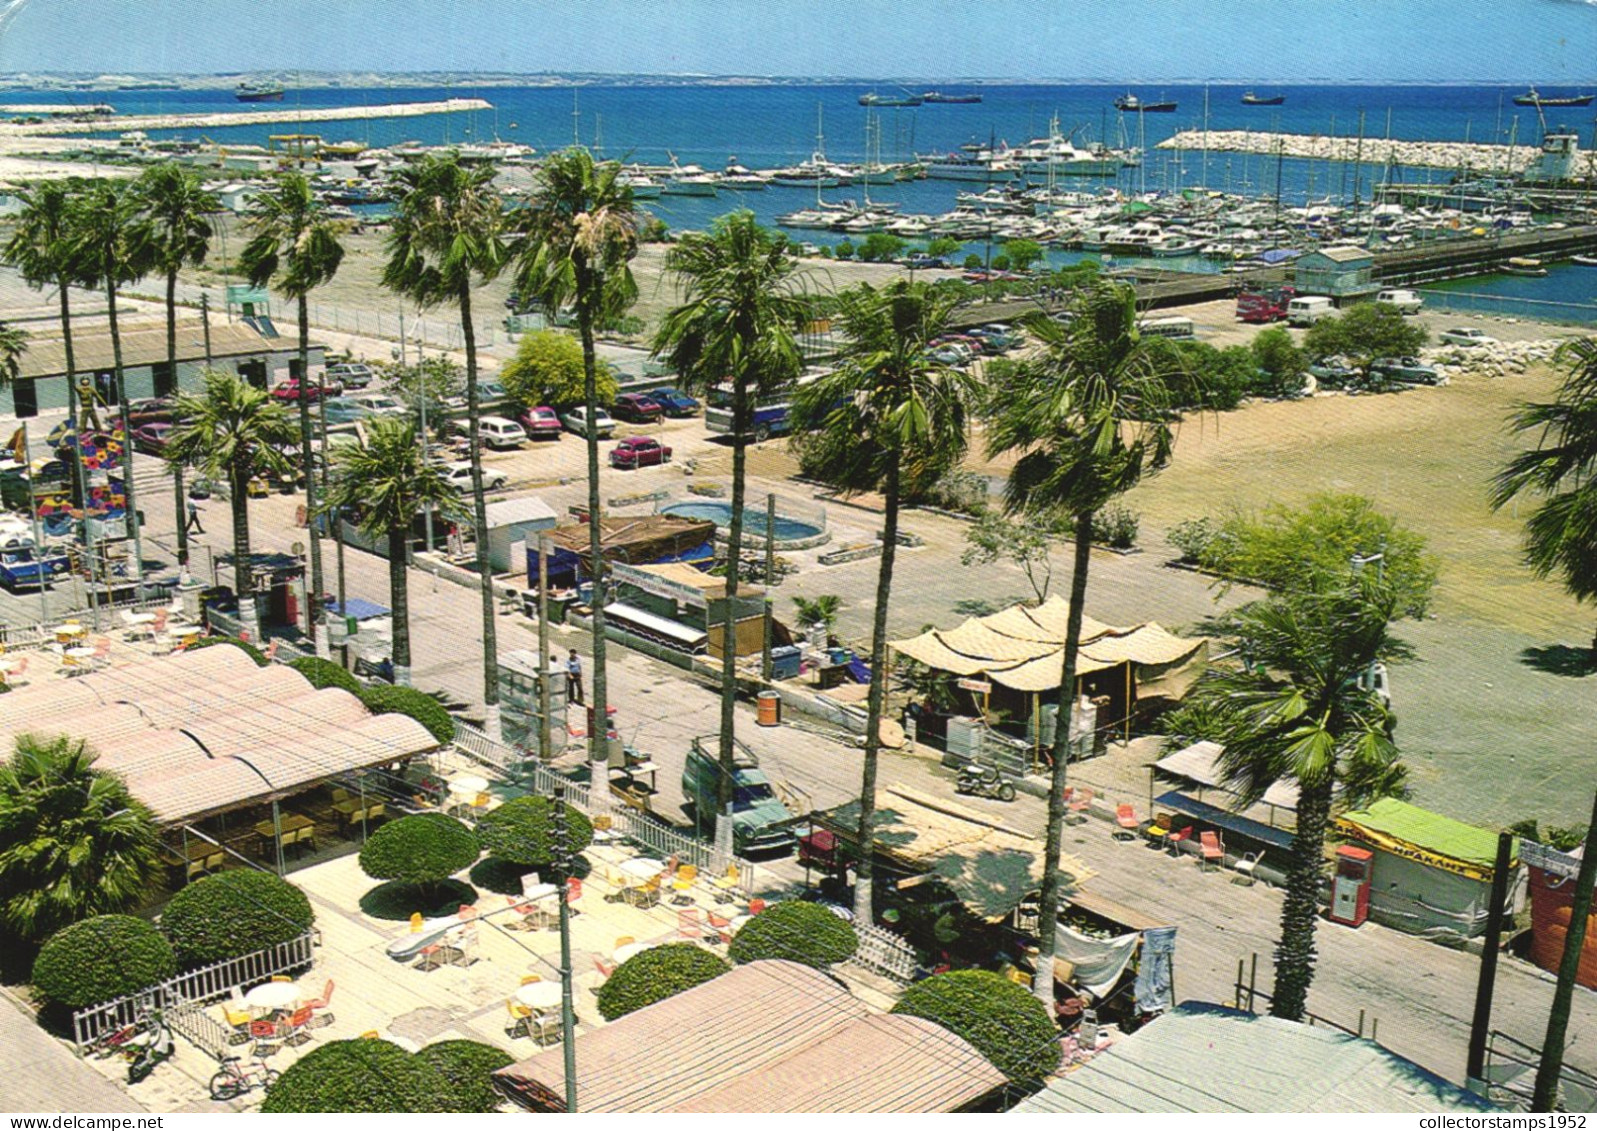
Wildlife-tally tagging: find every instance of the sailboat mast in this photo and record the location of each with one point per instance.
(1205, 135)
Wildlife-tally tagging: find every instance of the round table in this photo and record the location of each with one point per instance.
(539, 996)
(66, 633)
(468, 785)
(622, 953)
(642, 868)
(269, 996)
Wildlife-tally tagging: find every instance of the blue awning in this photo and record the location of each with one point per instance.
(357, 608)
(1225, 819)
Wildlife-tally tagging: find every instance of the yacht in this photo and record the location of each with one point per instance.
(736, 176)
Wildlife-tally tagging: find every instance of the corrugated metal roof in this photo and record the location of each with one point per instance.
(1202, 1058)
(142, 345)
(529, 508)
(1341, 254)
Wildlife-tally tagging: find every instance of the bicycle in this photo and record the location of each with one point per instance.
(232, 1079)
(115, 1043)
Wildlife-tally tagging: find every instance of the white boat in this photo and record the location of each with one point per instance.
(1058, 155)
(1523, 265)
(736, 176)
(643, 186)
(1584, 260)
(995, 199)
(688, 180)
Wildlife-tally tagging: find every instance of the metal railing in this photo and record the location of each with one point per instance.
(1248, 995)
(1511, 306)
(885, 953)
(205, 1032)
(1510, 1075)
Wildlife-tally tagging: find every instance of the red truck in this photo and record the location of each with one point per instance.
(1264, 306)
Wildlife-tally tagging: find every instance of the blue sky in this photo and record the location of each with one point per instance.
(1548, 41)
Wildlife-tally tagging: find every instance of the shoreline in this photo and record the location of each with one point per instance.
(218, 120)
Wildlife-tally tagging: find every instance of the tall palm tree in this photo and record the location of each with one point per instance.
(447, 235)
(1300, 708)
(576, 238)
(13, 344)
(73, 842)
(742, 307)
(1561, 533)
(231, 431)
(386, 482)
(1088, 418)
(178, 209)
(117, 246)
(294, 241)
(893, 420)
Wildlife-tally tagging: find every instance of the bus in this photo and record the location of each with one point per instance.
(771, 415)
(1173, 326)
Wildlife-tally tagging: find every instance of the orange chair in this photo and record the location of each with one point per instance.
(1213, 849)
(263, 1033)
(689, 926)
(320, 1005)
(604, 966)
(299, 1025)
(1126, 818)
(529, 979)
(624, 940)
(1080, 802)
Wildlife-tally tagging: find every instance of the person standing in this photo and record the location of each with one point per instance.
(574, 678)
(194, 526)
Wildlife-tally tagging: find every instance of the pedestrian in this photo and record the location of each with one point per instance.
(574, 678)
(194, 526)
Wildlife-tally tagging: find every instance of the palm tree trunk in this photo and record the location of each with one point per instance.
(399, 598)
(1048, 914)
(734, 564)
(1300, 910)
(178, 496)
(77, 424)
(313, 597)
(238, 483)
(479, 508)
(873, 704)
(127, 432)
(598, 750)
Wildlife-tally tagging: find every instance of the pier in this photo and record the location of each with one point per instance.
(60, 110)
(1476, 156)
(277, 114)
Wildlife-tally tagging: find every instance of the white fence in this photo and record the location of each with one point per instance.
(885, 953)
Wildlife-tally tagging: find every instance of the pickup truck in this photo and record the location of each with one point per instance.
(22, 568)
(760, 821)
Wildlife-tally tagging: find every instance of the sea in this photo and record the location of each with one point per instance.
(769, 124)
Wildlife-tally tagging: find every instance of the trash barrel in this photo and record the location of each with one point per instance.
(770, 708)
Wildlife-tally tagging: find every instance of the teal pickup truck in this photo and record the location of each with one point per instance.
(761, 823)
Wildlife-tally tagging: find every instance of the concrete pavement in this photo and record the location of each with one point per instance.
(41, 1074)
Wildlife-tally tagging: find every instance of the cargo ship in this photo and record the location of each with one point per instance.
(258, 92)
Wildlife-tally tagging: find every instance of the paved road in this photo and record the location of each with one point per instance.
(41, 1075)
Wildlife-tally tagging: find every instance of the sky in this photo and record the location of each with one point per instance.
(1552, 42)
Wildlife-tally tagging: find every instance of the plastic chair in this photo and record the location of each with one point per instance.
(1080, 803)
(727, 886)
(688, 924)
(687, 875)
(1246, 867)
(281, 978)
(1175, 840)
(529, 979)
(604, 966)
(263, 1033)
(299, 1026)
(520, 1018)
(1126, 818)
(1158, 830)
(1213, 849)
(624, 940)
(415, 922)
(320, 1005)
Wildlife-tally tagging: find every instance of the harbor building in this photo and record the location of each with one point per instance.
(1340, 272)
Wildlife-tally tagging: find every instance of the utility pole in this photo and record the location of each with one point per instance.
(568, 1017)
(1552, 1063)
(1358, 161)
(1474, 1072)
(545, 673)
(770, 568)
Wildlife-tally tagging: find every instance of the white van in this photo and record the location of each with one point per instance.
(1170, 326)
(1407, 302)
(1308, 310)
(498, 432)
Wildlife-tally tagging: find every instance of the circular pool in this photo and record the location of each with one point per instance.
(790, 533)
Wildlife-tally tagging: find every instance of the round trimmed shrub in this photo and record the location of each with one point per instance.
(360, 1076)
(382, 699)
(655, 974)
(795, 931)
(468, 1066)
(1001, 1020)
(322, 673)
(233, 913)
(424, 849)
(102, 958)
(249, 649)
(522, 831)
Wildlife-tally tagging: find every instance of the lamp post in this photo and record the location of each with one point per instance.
(568, 1017)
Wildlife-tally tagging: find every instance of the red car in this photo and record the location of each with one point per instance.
(639, 451)
(290, 390)
(637, 408)
(541, 423)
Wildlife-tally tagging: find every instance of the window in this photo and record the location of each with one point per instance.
(25, 398)
(254, 372)
(164, 375)
(748, 796)
(105, 386)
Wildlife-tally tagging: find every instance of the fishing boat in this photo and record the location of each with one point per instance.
(1131, 104)
(1523, 265)
(1532, 98)
(1251, 99)
(251, 91)
(874, 99)
(1584, 260)
(950, 99)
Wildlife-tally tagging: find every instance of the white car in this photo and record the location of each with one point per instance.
(378, 404)
(351, 375)
(576, 420)
(498, 432)
(1466, 336)
(458, 475)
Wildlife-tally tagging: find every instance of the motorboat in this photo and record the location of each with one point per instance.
(937, 96)
(1524, 265)
(643, 186)
(874, 99)
(256, 91)
(688, 180)
(736, 176)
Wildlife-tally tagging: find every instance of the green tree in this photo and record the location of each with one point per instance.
(99, 959)
(422, 850)
(448, 234)
(889, 419)
(320, 674)
(1561, 471)
(1087, 419)
(521, 831)
(578, 238)
(1299, 708)
(73, 841)
(385, 481)
(13, 344)
(1365, 332)
(1023, 254)
(386, 699)
(295, 242)
(818, 613)
(738, 322)
(999, 1019)
(844, 250)
(655, 974)
(972, 262)
(425, 386)
(943, 247)
(882, 247)
(1028, 544)
(234, 913)
(231, 430)
(548, 369)
(795, 931)
(178, 208)
(468, 1067)
(1282, 362)
(362, 1076)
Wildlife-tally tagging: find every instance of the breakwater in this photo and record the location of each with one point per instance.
(1370, 150)
(293, 114)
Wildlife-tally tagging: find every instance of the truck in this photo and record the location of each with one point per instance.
(1306, 310)
(1265, 305)
(760, 821)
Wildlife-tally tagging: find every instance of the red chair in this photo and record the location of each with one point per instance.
(1213, 849)
(320, 1005)
(299, 1025)
(1126, 818)
(1174, 840)
(604, 966)
(689, 925)
(573, 891)
(1080, 802)
(263, 1032)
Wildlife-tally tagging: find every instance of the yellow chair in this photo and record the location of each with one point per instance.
(281, 978)
(236, 1018)
(520, 1018)
(415, 922)
(529, 979)
(687, 875)
(602, 823)
(370, 1035)
(624, 940)
(727, 886)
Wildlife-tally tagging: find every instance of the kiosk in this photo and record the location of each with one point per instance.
(1350, 890)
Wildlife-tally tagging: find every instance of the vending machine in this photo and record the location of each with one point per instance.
(1350, 890)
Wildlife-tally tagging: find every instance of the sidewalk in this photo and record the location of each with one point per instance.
(41, 1075)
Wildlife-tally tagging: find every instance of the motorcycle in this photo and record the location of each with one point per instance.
(984, 781)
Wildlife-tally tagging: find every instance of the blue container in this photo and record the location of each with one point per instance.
(585, 592)
(785, 662)
(839, 655)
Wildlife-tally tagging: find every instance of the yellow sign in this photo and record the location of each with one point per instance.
(1388, 843)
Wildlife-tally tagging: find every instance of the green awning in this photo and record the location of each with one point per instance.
(1396, 826)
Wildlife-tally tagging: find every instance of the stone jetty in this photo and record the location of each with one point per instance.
(1373, 151)
(285, 114)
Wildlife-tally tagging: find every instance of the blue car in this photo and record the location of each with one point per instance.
(22, 568)
(675, 402)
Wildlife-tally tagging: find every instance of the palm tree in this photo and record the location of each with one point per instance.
(448, 233)
(230, 431)
(1561, 533)
(178, 209)
(73, 842)
(386, 481)
(1088, 419)
(742, 306)
(893, 420)
(821, 613)
(295, 241)
(577, 236)
(13, 344)
(116, 246)
(1301, 708)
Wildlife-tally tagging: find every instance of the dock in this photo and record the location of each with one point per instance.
(61, 110)
(276, 115)
(1369, 150)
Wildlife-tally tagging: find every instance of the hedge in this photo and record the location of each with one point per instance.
(249, 649)
(655, 974)
(382, 699)
(426, 848)
(100, 959)
(1001, 1020)
(360, 1076)
(468, 1066)
(232, 913)
(797, 932)
(324, 673)
(522, 831)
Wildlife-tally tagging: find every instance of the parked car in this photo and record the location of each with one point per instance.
(1407, 302)
(379, 404)
(458, 476)
(1335, 372)
(501, 432)
(342, 410)
(637, 408)
(541, 423)
(1409, 370)
(1466, 336)
(351, 375)
(576, 420)
(291, 390)
(152, 437)
(675, 402)
(639, 451)
(760, 821)
(151, 410)
(22, 566)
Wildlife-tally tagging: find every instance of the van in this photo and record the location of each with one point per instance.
(1173, 326)
(1308, 310)
(1407, 302)
(499, 432)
